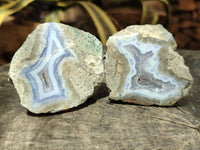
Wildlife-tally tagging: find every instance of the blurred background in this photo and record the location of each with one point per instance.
(102, 18)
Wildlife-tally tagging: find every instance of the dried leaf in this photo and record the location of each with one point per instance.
(144, 12)
(12, 7)
(168, 11)
(151, 16)
(104, 25)
(54, 16)
(155, 18)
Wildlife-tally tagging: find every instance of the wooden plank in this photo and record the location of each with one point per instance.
(101, 124)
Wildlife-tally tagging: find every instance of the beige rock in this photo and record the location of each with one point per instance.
(58, 67)
(142, 67)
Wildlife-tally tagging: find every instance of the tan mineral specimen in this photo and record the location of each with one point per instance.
(142, 67)
(58, 67)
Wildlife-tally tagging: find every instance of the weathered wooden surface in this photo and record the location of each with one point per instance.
(101, 124)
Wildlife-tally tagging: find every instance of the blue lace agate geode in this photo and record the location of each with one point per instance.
(43, 74)
(141, 67)
(43, 70)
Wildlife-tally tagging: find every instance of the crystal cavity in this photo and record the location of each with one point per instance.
(51, 71)
(142, 67)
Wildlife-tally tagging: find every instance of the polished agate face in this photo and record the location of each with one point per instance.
(144, 78)
(44, 76)
(58, 67)
(142, 67)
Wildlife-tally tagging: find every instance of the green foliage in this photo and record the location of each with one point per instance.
(11, 7)
(103, 23)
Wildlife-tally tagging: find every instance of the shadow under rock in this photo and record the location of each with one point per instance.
(101, 92)
(135, 104)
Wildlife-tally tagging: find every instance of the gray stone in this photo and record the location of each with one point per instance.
(142, 67)
(57, 68)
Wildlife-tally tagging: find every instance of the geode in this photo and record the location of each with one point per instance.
(142, 67)
(58, 67)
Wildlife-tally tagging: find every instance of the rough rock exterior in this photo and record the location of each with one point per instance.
(142, 67)
(57, 68)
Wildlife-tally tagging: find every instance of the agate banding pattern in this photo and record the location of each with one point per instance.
(144, 78)
(142, 67)
(57, 68)
(43, 75)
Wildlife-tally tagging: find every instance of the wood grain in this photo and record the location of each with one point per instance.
(102, 124)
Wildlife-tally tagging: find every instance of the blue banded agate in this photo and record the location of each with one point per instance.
(144, 78)
(43, 75)
(142, 67)
(57, 68)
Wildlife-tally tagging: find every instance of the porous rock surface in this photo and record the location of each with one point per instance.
(58, 67)
(142, 67)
